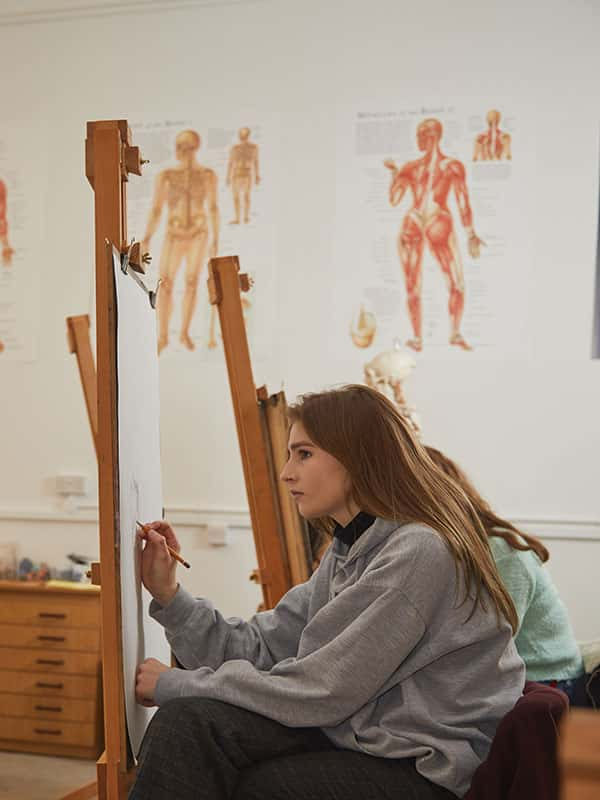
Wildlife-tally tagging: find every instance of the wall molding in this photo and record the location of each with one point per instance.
(564, 529)
(27, 12)
(183, 516)
(567, 529)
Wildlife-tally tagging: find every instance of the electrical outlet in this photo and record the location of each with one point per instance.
(71, 485)
(218, 535)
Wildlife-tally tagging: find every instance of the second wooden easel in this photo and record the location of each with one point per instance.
(281, 537)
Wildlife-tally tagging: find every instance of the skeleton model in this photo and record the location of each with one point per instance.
(386, 373)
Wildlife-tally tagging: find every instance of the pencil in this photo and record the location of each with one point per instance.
(174, 553)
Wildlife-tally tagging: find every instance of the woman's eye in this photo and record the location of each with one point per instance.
(304, 454)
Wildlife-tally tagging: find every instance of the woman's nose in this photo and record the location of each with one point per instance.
(286, 472)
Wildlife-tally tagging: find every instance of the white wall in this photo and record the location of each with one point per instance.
(528, 432)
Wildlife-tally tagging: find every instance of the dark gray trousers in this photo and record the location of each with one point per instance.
(198, 749)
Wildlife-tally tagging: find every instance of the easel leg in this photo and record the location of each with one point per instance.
(86, 792)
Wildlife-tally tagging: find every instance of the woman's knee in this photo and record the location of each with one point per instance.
(186, 716)
(190, 710)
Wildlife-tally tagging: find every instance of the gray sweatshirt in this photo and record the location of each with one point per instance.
(377, 649)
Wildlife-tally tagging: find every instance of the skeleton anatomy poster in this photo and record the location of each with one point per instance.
(208, 190)
(23, 179)
(432, 231)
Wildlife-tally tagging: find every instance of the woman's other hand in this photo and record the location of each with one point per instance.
(146, 678)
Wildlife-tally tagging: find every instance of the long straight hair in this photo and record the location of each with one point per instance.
(493, 524)
(392, 477)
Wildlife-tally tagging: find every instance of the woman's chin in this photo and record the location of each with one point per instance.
(303, 508)
(310, 510)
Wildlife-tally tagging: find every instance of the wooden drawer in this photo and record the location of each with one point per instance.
(50, 669)
(42, 707)
(51, 610)
(50, 685)
(45, 732)
(70, 663)
(86, 639)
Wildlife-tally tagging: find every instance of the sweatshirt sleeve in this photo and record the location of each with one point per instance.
(348, 651)
(518, 572)
(200, 636)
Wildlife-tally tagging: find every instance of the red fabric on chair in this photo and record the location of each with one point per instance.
(522, 763)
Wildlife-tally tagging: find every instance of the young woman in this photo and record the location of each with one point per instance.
(544, 638)
(384, 676)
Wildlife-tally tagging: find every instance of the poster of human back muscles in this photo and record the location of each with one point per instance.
(432, 242)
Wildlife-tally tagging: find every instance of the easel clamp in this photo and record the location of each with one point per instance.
(260, 576)
(128, 267)
(215, 294)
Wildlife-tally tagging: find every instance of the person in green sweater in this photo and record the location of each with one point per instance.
(544, 637)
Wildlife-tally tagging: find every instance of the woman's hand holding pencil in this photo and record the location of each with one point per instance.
(159, 560)
(171, 550)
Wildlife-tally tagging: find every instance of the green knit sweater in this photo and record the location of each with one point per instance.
(545, 639)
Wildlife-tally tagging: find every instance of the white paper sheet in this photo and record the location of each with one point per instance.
(140, 489)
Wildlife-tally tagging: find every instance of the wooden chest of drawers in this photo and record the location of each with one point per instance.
(50, 682)
(580, 755)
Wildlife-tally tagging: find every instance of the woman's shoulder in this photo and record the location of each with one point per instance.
(416, 562)
(414, 541)
(521, 570)
(502, 549)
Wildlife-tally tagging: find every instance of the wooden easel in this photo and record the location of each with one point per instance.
(109, 158)
(280, 536)
(281, 540)
(78, 336)
(294, 532)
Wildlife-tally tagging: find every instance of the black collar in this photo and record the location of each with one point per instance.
(355, 528)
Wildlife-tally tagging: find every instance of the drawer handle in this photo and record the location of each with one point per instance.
(48, 615)
(41, 685)
(48, 708)
(47, 731)
(54, 662)
(52, 638)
